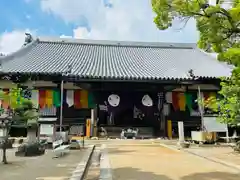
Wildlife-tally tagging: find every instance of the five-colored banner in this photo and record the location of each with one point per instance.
(47, 98)
(181, 101)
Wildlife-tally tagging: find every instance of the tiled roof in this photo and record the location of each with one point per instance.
(113, 60)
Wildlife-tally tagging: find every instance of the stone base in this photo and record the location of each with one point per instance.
(184, 144)
(34, 149)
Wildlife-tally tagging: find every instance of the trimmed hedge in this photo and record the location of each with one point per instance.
(33, 149)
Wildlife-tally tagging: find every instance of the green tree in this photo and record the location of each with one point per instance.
(22, 111)
(219, 27)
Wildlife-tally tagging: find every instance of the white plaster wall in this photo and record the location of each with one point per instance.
(5, 84)
(203, 87)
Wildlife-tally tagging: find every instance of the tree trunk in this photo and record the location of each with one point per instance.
(31, 135)
(4, 152)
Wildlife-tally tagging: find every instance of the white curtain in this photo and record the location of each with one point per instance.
(169, 97)
(70, 98)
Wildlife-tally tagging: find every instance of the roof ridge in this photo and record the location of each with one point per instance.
(20, 52)
(117, 43)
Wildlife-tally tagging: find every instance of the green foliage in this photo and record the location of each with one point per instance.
(22, 109)
(219, 29)
(228, 105)
(26, 112)
(217, 26)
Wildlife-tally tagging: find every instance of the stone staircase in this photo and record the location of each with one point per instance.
(143, 132)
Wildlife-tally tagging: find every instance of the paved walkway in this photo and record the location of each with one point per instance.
(154, 162)
(41, 167)
(220, 153)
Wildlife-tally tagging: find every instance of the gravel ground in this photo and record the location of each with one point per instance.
(40, 168)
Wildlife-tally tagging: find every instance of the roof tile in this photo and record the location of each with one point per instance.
(118, 60)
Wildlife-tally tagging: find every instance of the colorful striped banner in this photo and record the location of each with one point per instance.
(175, 101)
(77, 96)
(49, 98)
(188, 97)
(91, 100)
(181, 102)
(56, 98)
(84, 98)
(42, 98)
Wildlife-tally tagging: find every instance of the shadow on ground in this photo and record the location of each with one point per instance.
(129, 173)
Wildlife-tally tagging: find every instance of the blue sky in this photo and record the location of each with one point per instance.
(128, 20)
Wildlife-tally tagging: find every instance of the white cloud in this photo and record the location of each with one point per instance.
(78, 33)
(64, 36)
(81, 32)
(126, 20)
(12, 41)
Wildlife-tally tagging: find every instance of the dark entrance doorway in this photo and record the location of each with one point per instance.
(130, 112)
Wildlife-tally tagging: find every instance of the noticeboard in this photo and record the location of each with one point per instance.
(212, 125)
(46, 129)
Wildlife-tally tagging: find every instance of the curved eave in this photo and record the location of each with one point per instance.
(110, 78)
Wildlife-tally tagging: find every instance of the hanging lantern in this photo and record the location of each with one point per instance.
(147, 101)
(114, 100)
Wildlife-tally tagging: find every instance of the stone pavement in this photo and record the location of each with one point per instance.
(154, 162)
(40, 168)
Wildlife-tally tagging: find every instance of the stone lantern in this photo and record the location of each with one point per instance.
(4, 125)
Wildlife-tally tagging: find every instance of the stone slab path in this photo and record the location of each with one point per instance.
(155, 162)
